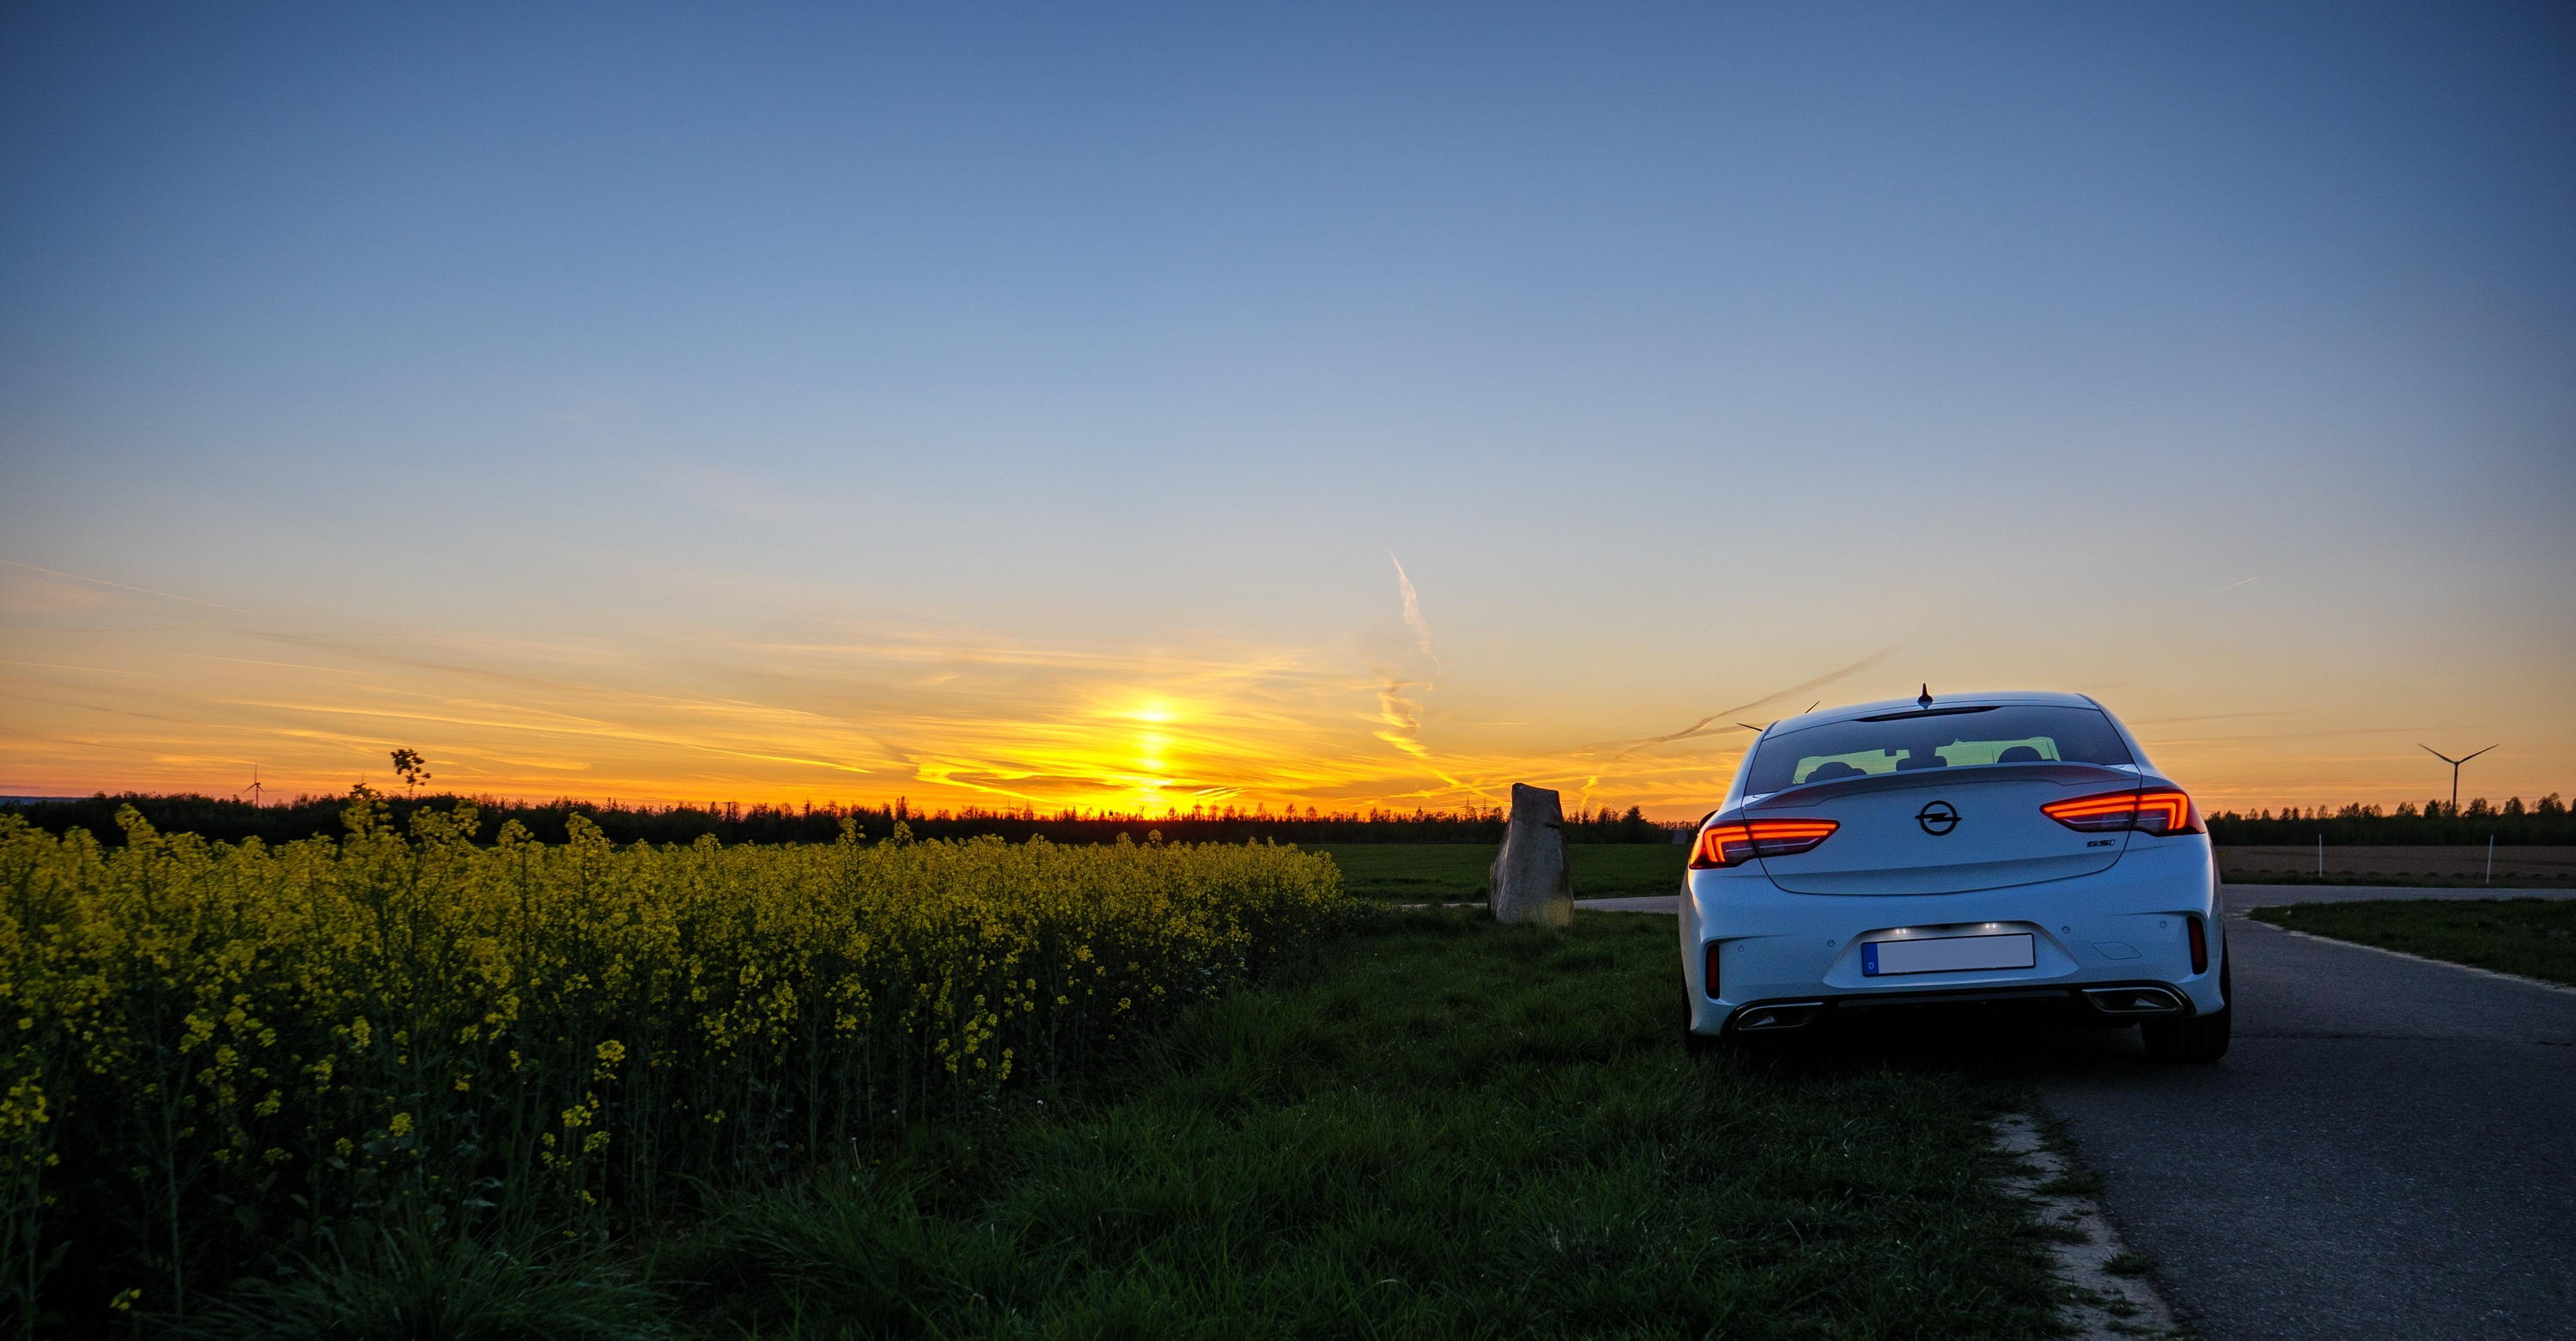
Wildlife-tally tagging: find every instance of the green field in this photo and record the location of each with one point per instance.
(1455, 872)
(2533, 937)
(2504, 868)
(1440, 1128)
(1448, 1128)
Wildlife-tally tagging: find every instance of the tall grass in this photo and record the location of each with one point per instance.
(225, 1058)
(1448, 1129)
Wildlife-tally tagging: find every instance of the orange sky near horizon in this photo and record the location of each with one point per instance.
(115, 687)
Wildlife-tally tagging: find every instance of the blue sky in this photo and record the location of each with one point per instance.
(802, 401)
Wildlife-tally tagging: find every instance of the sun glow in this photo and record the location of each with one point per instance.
(612, 710)
(680, 716)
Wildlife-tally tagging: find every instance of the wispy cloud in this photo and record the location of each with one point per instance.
(1402, 715)
(122, 586)
(808, 707)
(1412, 608)
(2208, 717)
(1400, 689)
(48, 665)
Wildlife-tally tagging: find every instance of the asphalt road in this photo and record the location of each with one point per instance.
(2385, 1152)
(2389, 1149)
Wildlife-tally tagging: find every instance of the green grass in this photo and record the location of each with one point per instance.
(412, 1280)
(2395, 879)
(1455, 872)
(2533, 937)
(2129, 1264)
(1446, 1128)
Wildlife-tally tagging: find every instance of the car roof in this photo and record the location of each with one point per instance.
(2015, 697)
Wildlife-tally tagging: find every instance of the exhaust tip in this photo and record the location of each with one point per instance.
(1764, 1019)
(2133, 1000)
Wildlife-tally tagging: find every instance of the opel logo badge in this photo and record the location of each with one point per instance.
(1937, 818)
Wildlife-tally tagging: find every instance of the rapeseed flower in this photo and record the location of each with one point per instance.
(218, 1047)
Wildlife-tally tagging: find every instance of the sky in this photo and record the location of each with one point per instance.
(1146, 407)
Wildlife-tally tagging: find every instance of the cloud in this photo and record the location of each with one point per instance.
(1403, 717)
(121, 586)
(1400, 688)
(1413, 608)
(817, 707)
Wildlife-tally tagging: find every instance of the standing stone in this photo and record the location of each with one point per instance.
(1529, 882)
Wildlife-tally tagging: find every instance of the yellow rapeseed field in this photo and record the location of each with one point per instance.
(215, 1051)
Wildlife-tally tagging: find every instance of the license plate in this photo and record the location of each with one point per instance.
(1946, 954)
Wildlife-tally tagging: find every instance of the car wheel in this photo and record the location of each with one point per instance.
(2199, 1039)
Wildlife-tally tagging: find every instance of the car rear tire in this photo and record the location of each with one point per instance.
(2202, 1038)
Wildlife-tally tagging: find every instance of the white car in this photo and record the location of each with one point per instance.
(1979, 852)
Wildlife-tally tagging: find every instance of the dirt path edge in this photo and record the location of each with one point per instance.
(2108, 1294)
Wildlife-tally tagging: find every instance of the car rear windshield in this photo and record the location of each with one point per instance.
(1941, 738)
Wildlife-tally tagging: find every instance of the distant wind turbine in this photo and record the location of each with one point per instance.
(254, 787)
(2455, 769)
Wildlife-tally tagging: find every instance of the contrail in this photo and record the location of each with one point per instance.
(1685, 733)
(165, 595)
(1398, 703)
(1701, 726)
(1402, 715)
(2232, 586)
(1412, 607)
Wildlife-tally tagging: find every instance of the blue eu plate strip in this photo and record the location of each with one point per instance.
(1869, 959)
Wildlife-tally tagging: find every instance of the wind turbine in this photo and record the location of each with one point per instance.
(2455, 769)
(254, 786)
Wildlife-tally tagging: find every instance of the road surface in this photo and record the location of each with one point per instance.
(2389, 1150)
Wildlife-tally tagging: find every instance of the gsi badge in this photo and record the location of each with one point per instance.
(1937, 818)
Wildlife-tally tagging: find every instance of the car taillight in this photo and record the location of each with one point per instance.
(1736, 844)
(2199, 946)
(2161, 810)
(1711, 985)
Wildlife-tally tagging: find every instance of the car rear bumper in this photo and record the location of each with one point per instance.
(2093, 1004)
(2126, 927)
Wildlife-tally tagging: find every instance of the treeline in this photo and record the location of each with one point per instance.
(2545, 823)
(231, 821)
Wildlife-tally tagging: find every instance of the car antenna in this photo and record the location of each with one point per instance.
(1926, 700)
